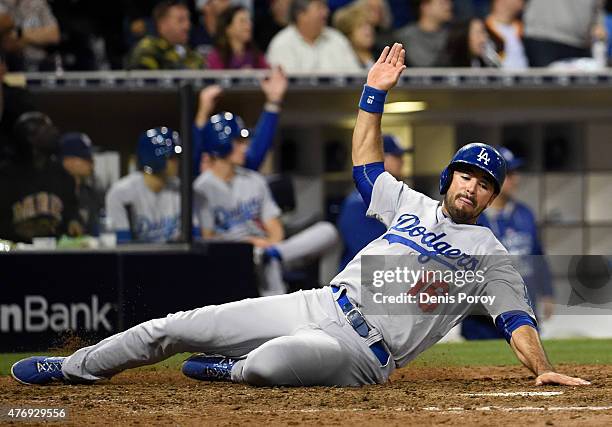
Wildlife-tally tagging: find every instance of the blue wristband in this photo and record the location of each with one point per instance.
(372, 100)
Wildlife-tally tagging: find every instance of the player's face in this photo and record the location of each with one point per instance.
(510, 185)
(238, 155)
(241, 28)
(394, 165)
(172, 167)
(470, 193)
(175, 26)
(77, 166)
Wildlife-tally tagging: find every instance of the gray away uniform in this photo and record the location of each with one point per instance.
(155, 217)
(303, 338)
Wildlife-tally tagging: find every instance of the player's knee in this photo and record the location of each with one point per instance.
(268, 365)
(259, 374)
(179, 327)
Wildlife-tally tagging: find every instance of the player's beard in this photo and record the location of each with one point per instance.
(462, 215)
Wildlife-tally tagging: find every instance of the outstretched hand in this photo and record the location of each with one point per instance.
(274, 86)
(207, 102)
(552, 378)
(209, 97)
(385, 73)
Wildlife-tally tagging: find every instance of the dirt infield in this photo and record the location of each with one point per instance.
(415, 396)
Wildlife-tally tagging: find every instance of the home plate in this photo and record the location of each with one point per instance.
(515, 393)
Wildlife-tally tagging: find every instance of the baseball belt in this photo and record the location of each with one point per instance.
(356, 319)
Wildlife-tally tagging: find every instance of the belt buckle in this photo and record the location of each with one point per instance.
(357, 321)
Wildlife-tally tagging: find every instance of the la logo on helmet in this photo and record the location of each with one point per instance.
(483, 157)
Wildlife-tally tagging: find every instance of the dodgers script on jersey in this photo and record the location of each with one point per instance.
(418, 231)
(236, 209)
(155, 217)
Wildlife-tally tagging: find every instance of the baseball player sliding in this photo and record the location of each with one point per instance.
(321, 336)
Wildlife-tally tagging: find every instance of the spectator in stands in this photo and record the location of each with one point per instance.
(169, 50)
(308, 44)
(37, 197)
(561, 29)
(204, 32)
(514, 225)
(145, 206)
(75, 152)
(353, 22)
(425, 40)
(380, 17)
(356, 229)
(469, 45)
(233, 203)
(271, 16)
(274, 88)
(36, 29)
(506, 31)
(234, 47)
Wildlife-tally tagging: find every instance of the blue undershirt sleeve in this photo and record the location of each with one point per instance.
(197, 141)
(508, 322)
(365, 176)
(262, 140)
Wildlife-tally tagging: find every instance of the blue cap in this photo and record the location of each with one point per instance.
(391, 145)
(512, 162)
(75, 144)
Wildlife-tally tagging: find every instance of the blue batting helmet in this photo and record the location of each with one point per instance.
(155, 146)
(220, 131)
(479, 155)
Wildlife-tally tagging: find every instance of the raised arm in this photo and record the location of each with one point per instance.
(274, 87)
(527, 346)
(384, 74)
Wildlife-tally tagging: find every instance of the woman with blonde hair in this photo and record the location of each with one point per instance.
(354, 22)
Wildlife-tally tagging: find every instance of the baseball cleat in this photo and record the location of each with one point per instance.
(208, 368)
(38, 370)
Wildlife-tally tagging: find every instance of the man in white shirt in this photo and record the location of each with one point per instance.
(308, 44)
(506, 31)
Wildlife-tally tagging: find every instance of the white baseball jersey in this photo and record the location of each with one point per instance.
(416, 226)
(155, 217)
(235, 209)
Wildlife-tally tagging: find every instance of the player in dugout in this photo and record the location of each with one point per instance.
(145, 206)
(322, 336)
(234, 203)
